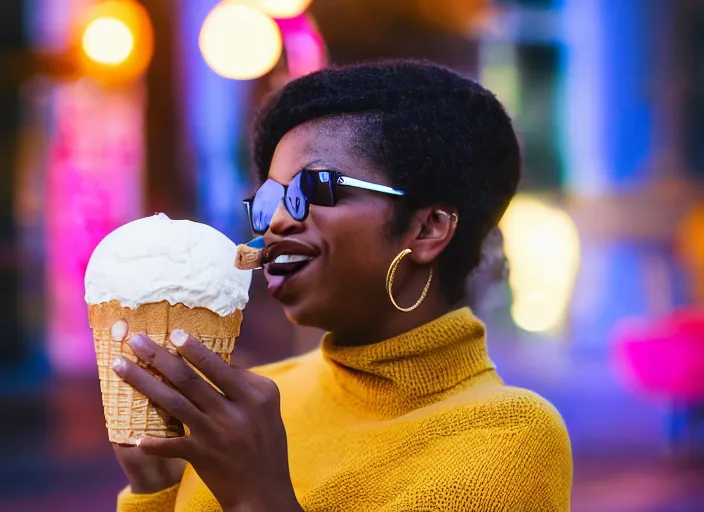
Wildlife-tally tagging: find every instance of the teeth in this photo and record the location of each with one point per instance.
(291, 258)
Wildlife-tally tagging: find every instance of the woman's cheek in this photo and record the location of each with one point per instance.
(354, 233)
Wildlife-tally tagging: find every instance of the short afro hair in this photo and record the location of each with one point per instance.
(442, 138)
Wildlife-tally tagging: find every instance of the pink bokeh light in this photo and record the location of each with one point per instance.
(94, 185)
(305, 47)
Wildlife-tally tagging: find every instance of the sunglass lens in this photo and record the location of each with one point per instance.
(296, 200)
(264, 205)
(317, 187)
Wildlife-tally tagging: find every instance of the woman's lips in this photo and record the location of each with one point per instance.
(288, 249)
(283, 268)
(285, 260)
(279, 275)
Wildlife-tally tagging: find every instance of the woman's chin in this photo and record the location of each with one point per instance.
(307, 315)
(293, 317)
(297, 313)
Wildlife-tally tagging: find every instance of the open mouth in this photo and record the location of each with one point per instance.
(282, 260)
(287, 264)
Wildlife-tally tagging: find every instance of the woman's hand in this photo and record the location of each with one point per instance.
(148, 474)
(237, 440)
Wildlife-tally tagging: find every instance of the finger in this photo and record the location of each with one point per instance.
(232, 381)
(167, 398)
(170, 448)
(178, 373)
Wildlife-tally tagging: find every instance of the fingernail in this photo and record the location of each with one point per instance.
(137, 340)
(178, 337)
(118, 364)
(119, 330)
(138, 441)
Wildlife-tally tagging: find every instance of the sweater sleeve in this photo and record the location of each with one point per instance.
(162, 501)
(534, 467)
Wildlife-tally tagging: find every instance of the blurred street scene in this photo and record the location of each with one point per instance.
(113, 110)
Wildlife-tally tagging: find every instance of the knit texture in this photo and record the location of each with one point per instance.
(419, 422)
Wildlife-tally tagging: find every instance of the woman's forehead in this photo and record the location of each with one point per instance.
(322, 143)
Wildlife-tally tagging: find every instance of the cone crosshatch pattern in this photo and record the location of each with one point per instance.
(129, 415)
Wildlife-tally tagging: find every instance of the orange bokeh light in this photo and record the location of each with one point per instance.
(115, 41)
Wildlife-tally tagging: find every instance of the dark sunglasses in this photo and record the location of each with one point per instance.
(309, 186)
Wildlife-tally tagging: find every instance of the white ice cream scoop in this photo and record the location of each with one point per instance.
(157, 259)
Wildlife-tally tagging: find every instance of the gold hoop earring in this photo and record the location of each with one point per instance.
(391, 274)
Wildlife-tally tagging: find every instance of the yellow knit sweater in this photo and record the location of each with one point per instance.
(420, 422)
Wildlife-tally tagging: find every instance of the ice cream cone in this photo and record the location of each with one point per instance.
(130, 415)
(135, 274)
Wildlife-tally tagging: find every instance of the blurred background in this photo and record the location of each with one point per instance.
(110, 111)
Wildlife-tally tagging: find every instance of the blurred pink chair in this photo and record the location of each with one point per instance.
(663, 358)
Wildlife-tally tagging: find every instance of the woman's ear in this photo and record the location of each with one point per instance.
(437, 226)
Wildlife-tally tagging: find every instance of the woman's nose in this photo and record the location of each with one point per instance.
(282, 223)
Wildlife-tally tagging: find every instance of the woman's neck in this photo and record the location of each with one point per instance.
(391, 322)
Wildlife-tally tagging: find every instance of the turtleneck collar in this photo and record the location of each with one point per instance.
(414, 369)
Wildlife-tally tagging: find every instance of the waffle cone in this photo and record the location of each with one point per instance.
(130, 415)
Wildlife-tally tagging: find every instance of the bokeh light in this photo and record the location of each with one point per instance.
(115, 41)
(543, 248)
(240, 42)
(281, 8)
(108, 41)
